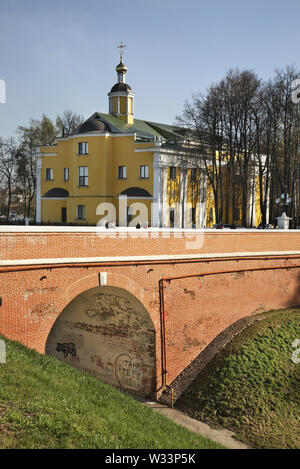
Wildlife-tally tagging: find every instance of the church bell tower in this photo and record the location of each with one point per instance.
(121, 95)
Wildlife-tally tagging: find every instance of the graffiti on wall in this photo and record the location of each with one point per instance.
(105, 305)
(66, 349)
(129, 372)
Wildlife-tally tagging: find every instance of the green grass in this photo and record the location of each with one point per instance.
(45, 403)
(252, 386)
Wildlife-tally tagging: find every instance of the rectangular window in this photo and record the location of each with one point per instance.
(122, 172)
(144, 172)
(49, 174)
(64, 214)
(193, 174)
(83, 148)
(83, 176)
(172, 217)
(193, 215)
(173, 172)
(66, 174)
(81, 212)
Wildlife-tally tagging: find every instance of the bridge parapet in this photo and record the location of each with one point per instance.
(193, 284)
(71, 244)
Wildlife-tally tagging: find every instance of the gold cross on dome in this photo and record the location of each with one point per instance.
(121, 47)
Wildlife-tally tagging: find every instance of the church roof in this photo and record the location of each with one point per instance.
(120, 87)
(147, 130)
(93, 125)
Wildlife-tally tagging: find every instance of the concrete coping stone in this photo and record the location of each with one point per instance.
(97, 229)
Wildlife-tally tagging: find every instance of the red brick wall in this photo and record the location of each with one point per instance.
(34, 244)
(196, 308)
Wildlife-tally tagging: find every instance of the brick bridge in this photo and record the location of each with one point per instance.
(143, 310)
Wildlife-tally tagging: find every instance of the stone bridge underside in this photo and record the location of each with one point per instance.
(141, 310)
(107, 331)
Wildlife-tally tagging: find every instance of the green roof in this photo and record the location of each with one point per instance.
(144, 129)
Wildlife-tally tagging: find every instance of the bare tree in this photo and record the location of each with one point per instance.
(246, 130)
(279, 140)
(26, 179)
(68, 123)
(8, 160)
(223, 127)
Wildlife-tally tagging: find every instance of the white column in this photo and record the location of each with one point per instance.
(202, 202)
(254, 197)
(38, 185)
(181, 197)
(251, 203)
(164, 197)
(156, 206)
(185, 207)
(268, 206)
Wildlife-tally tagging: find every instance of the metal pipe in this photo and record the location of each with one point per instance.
(231, 271)
(169, 279)
(135, 263)
(163, 335)
(163, 280)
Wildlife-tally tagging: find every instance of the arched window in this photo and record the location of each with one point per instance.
(57, 192)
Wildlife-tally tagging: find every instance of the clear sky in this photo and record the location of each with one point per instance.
(61, 54)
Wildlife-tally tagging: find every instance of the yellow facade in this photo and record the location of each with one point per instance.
(115, 105)
(105, 155)
(114, 155)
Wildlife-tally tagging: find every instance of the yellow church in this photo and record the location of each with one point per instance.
(121, 170)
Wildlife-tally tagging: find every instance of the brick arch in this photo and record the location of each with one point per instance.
(107, 331)
(81, 285)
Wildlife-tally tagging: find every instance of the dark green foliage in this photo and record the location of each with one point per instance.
(252, 386)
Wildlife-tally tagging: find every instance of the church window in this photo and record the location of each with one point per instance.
(144, 172)
(49, 174)
(173, 172)
(81, 212)
(83, 175)
(122, 172)
(83, 148)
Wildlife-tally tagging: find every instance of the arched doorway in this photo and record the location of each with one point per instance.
(107, 331)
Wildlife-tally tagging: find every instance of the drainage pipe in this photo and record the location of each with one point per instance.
(163, 280)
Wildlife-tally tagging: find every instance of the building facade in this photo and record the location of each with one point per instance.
(122, 170)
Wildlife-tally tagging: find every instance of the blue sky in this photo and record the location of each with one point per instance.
(62, 54)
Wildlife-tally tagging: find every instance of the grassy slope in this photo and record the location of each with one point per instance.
(45, 403)
(252, 386)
